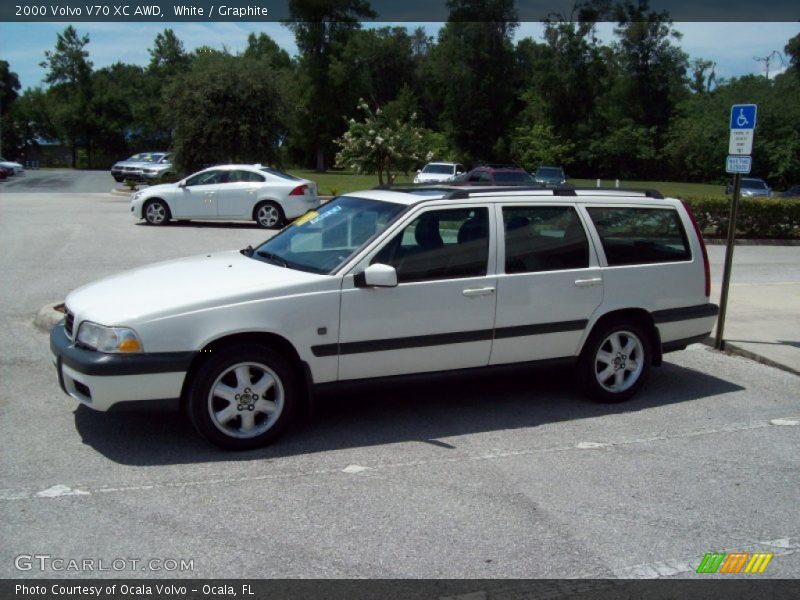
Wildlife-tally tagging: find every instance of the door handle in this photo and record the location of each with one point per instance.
(472, 292)
(589, 282)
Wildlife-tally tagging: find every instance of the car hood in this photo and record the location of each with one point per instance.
(156, 189)
(180, 286)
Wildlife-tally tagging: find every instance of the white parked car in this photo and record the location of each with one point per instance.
(437, 172)
(383, 283)
(14, 167)
(228, 192)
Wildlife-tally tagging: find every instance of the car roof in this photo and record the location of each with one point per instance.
(411, 195)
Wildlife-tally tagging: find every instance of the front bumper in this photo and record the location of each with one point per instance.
(106, 381)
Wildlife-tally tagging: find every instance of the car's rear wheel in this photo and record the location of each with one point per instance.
(269, 215)
(156, 212)
(117, 179)
(243, 398)
(615, 361)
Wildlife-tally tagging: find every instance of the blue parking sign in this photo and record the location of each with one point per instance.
(743, 116)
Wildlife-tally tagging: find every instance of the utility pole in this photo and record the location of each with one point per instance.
(768, 59)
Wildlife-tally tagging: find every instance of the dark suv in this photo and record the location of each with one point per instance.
(495, 175)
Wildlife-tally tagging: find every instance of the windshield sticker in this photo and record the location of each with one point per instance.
(306, 217)
(326, 214)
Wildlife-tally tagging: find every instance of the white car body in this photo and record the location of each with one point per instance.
(438, 172)
(15, 167)
(342, 326)
(236, 195)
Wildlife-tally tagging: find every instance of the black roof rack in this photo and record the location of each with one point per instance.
(461, 192)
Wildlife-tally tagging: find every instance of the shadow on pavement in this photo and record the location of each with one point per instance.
(398, 413)
(209, 225)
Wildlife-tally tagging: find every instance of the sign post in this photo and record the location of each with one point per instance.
(740, 147)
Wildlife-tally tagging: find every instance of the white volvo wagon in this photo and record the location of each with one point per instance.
(391, 283)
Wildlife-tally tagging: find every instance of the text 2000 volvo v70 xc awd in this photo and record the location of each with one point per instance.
(381, 283)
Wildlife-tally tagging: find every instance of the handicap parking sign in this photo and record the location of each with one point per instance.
(743, 116)
(743, 124)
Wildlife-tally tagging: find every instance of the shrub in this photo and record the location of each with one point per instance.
(756, 218)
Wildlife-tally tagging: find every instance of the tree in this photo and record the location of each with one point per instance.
(9, 86)
(235, 118)
(792, 50)
(168, 60)
(472, 70)
(320, 28)
(69, 73)
(262, 46)
(380, 143)
(374, 64)
(537, 144)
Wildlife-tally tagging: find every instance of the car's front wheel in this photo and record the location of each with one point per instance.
(243, 397)
(615, 361)
(269, 215)
(156, 212)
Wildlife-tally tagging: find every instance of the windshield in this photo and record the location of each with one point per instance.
(549, 172)
(322, 240)
(438, 169)
(754, 184)
(511, 177)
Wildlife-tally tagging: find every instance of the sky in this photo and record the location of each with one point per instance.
(732, 46)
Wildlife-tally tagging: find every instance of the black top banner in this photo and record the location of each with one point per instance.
(69, 11)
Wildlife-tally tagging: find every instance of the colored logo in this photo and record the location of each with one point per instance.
(735, 562)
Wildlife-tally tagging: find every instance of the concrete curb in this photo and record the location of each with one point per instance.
(117, 192)
(48, 316)
(739, 351)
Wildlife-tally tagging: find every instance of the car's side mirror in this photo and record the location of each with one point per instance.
(459, 172)
(182, 184)
(377, 275)
(419, 170)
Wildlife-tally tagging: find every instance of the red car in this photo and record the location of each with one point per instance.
(495, 175)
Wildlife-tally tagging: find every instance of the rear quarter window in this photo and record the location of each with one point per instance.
(635, 236)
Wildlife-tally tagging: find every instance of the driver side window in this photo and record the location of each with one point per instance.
(207, 178)
(440, 244)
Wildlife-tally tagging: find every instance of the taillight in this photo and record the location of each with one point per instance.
(699, 233)
(300, 190)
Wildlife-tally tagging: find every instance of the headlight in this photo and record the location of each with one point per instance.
(137, 195)
(108, 339)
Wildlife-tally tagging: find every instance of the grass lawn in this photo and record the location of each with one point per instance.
(668, 188)
(339, 182)
(331, 183)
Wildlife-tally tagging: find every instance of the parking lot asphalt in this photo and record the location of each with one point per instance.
(59, 181)
(500, 476)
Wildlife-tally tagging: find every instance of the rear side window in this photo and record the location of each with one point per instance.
(544, 238)
(634, 236)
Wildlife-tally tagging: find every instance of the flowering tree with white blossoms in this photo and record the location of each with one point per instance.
(381, 144)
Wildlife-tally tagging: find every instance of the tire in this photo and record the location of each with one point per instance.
(269, 215)
(156, 212)
(615, 361)
(243, 397)
(117, 178)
